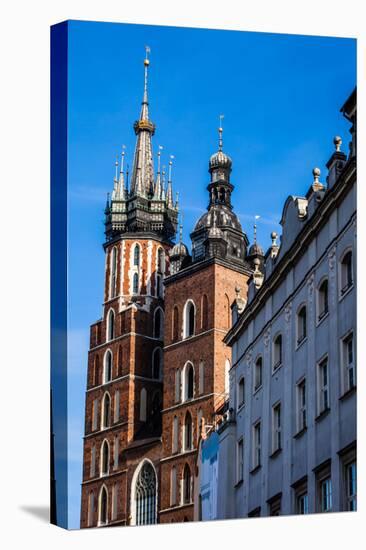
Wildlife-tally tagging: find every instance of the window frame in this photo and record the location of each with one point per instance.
(346, 366)
(277, 356)
(301, 405)
(301, 322)
(323, 389)
(257, 445)
(322, 303)
(344, 273)
(257, 386)
(276, 428)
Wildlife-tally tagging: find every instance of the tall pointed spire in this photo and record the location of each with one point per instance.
(157, 188)
(115, 180)
(142, 181)
(121, 179)
(169, 195)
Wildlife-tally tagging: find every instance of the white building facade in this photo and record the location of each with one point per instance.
(289, 443)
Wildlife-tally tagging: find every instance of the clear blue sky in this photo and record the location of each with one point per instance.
(280, 95)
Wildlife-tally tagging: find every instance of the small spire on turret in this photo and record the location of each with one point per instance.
(221, 117)
(120, 188)
(176, 206)
(169, 198)
(256, 217)
(163, 184)
(317, 185)
(157, 189)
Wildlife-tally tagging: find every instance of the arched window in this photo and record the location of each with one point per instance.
(189, 319)
(157, 363)
(108, 367)
(323, 299)
(188, 441)
(188, 382)
(143, 405)
(175, 434)
(204, 307)
(136, 256)
(277, 352)
(301, 324)
(175, 324)
(106, 411)
(158, 323)
(135, 285)
(110, 325)
(258, 368)
(144, 496)
(113, 280)
(103, 506)
(187, 485)
(104, 459)
(346, 272)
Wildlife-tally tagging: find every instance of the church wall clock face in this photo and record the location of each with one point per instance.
(165, 263)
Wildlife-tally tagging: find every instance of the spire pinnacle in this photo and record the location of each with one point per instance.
(181, 229)
(255, 228)
(169, 197)
(221, 117)
(146, 65)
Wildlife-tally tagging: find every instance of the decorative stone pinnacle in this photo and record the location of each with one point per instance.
(337, 142)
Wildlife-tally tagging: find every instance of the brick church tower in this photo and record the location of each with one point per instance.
(198, 296)
(157, 366)
(122, 443)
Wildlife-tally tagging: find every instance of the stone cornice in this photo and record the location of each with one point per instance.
(197, 266)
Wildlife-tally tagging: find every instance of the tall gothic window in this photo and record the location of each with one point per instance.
(108, 367)
(136, 256)
(110, 325)
(103, 506)
(188, 387)
(106, 411)
(158, 323)
(135, 283)
(157, 363)
(188, 441)
(346, 272)
(189, 319)
(145, 495)
(187, 485)
(104, 461)
(323, 300)
(301, 324)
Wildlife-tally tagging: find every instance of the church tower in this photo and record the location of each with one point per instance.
(198, 297)
(122, 442)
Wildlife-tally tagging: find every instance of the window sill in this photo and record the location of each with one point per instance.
(256, 390)
(238, 484)
(256, 469)
(348, 393)
(321, 318)
(276, 368)
(322, 415)
(299, 344)
(300, 432)
(240, 408)
(347, 291)
(275, 453)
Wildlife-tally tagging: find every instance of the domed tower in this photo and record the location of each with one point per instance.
(218, 233)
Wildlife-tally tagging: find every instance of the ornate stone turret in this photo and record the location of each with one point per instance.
(218, 233)
(147, 207)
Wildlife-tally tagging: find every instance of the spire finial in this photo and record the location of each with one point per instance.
(159, 155)
(181, 229)
(337, 143)
(255, 228)
(316, 174)
(170, 168)
(221, 117)
(146, 64)
(122, 158)
(116, 165)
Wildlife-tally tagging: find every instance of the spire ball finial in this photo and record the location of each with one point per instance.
(146, 60)
(337, 142)
(316, 174)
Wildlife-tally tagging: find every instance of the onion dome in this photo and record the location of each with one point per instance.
(224, 218)
(256, 250)
(220, 160)
(179, 249)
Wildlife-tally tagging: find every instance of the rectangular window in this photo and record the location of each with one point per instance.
(350, 482)
(301, 500)
(302, 504)
(326, 494)
(258, 374)
(241, 392)
(274, 506)
(95, 414)
(348, 363)
(257, 445)
(276, 428)
(239, 460)
(301, 405)
(323, 386)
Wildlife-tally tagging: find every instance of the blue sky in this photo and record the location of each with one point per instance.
(280, 95)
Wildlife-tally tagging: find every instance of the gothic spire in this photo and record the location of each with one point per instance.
(121, 179)
(169, 195)
(142, 180)
(157, 188)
